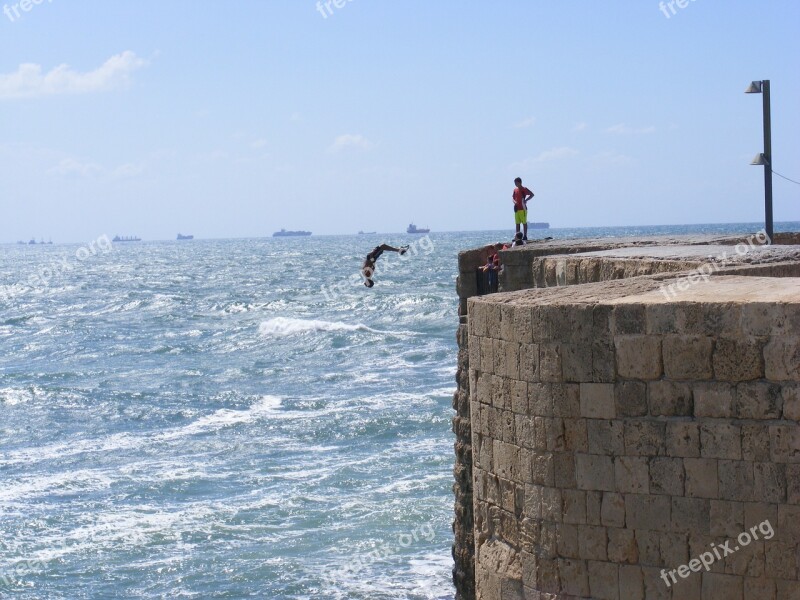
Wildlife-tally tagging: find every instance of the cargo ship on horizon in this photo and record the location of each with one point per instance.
(414, 229)
(284, 233)
(126, 238)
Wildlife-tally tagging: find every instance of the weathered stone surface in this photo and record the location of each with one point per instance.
(607, 431)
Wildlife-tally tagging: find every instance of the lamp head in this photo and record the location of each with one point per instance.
(754, 88)
(759, 160)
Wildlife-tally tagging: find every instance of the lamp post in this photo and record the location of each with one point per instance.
(765, 158)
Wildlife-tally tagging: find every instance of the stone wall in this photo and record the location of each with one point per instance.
(558, 264)
(616, 434)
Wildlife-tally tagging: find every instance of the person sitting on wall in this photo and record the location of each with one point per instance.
(518, 240)
(368, 270)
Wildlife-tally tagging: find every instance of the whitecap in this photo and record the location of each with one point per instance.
(285, 327)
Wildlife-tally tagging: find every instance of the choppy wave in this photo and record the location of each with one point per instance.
(286, 327)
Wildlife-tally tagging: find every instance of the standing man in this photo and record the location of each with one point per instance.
(521, 195)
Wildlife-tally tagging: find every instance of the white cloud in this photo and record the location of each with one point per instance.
(350, 140)
(579, 127)
(560, 153)
(610, 159)
(71, 166)
(623, 129)
(127, 170)
(29, 81)
(258, 144)
(525, 123)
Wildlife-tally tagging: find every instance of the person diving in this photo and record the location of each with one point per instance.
(368, 270)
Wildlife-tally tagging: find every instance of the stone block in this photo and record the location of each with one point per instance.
(738, 359)
(720, 440)
(714, 399)
(726, 518)
(687, 357)
(612, 510)
(564, 470)
(597, 400)
(674, 548)
(551, 504)
(529, 363)
(592, 542)
(756, 442)
(760, 589)
(756, 513)
(682, 439)
(661, 319)
(622, 547)
(630, 398)
(770, 482)
(631, 583)
(507, 322)
(523, 331)
(543, 469)
(594, 472)
(788, 527)
(782, 358)
(566, 399)
(649, 545)
(605, 437)
(568, 540)
(638, 357)
(574, 577)
(628, 319)
(540, 400)
(631, 474)
(603, 580)
(669, 399)
(758, 400)
(550, 365)
(690, 515)
(576, 435)
(785, 443)
(593, 508)
(648, 512)
(701, 477)
(780, 560)
(645, 438)
(790, 394)
(576, 362)
(487, 355)
(554, 430)
(666, 476)
(793, 483)
(519, 397)
(736, 480)
(604, 366)
(718, 586)
(654, 588)
(574, 506)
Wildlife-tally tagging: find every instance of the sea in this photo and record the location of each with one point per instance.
(233, 418)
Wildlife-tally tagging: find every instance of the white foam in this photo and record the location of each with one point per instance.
(285, 327)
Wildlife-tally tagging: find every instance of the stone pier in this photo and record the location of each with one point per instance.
(627, 422)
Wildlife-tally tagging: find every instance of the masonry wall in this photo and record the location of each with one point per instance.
(612, 439)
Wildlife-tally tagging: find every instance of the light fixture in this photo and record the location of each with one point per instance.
(765, 158)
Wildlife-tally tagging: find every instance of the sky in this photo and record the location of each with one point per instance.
(238, 118)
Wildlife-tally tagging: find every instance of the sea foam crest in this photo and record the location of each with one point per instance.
(285, 327)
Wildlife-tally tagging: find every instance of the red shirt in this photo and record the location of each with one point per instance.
(519, 197)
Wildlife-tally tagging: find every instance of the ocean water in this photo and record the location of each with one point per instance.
(232, 418)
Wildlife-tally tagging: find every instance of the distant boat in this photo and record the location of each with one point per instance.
(284, 233)
(130, 238)
(414, 229)
(366, 233)
(32, 243)
(21, 242)
(539, 225)
(185, 237)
